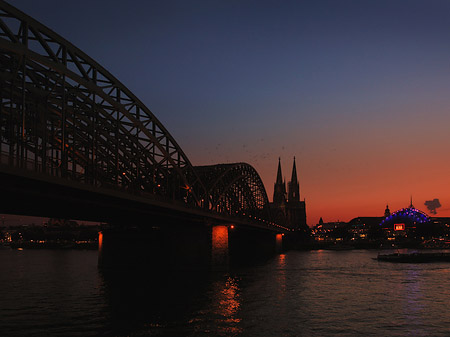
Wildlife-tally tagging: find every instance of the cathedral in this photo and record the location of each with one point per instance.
(287, 208)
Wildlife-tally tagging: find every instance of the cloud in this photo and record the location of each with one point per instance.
(432, 205)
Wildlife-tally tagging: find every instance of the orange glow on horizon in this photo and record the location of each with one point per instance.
(347, 171)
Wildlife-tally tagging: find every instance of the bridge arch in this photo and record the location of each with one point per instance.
(236, 189)
(63, 114)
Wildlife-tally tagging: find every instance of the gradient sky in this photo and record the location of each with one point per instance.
(358, 91)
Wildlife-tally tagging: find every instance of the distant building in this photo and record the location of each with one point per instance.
(405, 226)
(54, 222)
(387, 211)
(287, 208)
(405, 217)
(408, 222)
(330, 231)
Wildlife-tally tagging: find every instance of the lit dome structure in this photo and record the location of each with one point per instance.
(407, 217)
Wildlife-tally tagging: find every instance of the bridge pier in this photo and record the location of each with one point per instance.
(185, 246)
(220, 256)
(250, 245)
(279, 243)
(175, 247)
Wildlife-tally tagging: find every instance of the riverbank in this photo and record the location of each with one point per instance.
(85, 245)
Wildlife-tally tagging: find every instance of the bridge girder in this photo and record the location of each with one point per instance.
(65, 115)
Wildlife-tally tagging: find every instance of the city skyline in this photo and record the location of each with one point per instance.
(356, 91)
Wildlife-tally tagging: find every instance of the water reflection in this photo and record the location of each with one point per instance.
(140, 302)
(228, 298)
(169, 303)
(413, 300)
(223, 311)
(281, 276)
(281, 260)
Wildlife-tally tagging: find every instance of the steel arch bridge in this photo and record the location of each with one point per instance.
(236, 189)
(64, 116)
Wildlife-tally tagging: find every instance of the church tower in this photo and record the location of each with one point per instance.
(387, 211)
(290, 211)
(279, 189)
(294, 187)
(296, 209)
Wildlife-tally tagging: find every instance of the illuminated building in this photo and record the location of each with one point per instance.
(403, 218)
(407, 226)
(404, 222)
(330, 231)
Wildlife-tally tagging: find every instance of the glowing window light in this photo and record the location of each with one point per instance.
(399, 227)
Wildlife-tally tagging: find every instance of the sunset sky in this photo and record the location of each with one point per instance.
(358, 91)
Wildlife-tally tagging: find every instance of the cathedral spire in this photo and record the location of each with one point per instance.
(294, 173)
(279, 176)
(279, 189)
(294, 188)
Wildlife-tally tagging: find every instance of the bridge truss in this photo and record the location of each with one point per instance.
(63, 115)
(236, 189)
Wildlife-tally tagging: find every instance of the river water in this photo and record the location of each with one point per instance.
(317, 293)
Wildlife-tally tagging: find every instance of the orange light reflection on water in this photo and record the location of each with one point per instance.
(281, 276)
(227, 305)
(282, 260)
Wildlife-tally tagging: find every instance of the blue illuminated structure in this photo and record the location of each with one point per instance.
(409, 216)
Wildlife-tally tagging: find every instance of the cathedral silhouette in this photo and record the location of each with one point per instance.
(287, 208)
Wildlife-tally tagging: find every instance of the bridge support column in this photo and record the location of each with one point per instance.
(176, 246)
(248, 246)
(219, 247)
(100, 248)
(184, 246)
(123, 248)
(279, 243)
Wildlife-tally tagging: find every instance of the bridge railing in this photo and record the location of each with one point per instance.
(14, 161)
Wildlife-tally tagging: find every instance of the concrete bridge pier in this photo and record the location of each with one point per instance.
(252, 245)
(155, 247)
(220, 254)
(279, 243)
(236, 245)
(192, 247)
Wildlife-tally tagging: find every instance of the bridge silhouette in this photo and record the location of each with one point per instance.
(76, 143)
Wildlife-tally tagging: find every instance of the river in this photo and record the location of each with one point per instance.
(314, 293)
